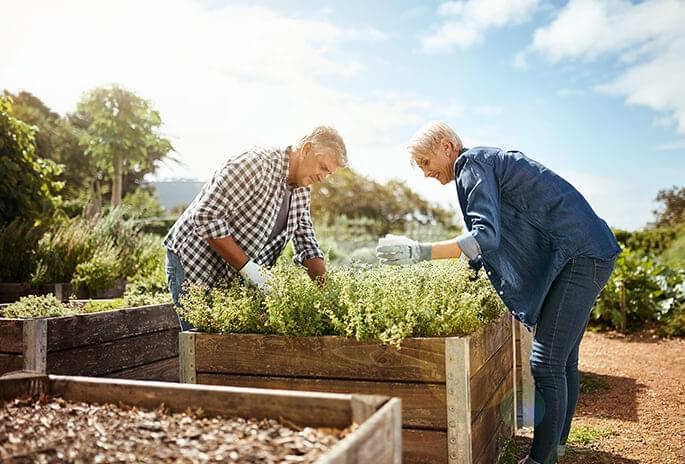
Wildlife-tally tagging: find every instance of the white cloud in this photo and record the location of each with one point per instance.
(677, 145)
(646, 39)
(223, 79)
(567, 92)
(466, 21)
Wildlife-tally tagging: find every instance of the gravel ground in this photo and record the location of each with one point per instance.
(636, 412)
(55, 431)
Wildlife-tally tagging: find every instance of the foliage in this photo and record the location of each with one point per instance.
(37, 306)
(18, 240)
(97, 306)
(57, 140)
(673, 211)
(647, 241)
(121, 133)
(590, 383)
(642, 288)
(392, 205)
(379, 303)
(100, 271)
(674, 254)
(144, 203)
(584, 435)
(29, 188)
(61, 249)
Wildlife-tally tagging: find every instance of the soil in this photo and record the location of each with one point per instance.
(639, 406)
(52, 430)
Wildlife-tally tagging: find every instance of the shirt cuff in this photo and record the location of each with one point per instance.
(469, 245)
(300, 258)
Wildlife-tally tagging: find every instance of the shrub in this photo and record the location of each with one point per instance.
(37, 306)
(18, 240)
(385, 304)
(99, 272)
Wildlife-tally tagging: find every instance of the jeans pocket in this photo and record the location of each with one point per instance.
(601, 271)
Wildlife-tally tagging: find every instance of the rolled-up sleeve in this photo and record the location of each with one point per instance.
(230, 187)
(304, 239)
(481, 189)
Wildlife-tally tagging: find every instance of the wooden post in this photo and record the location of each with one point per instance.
(515, 349)
(457, 368)
(35, 345)
(526, 382)
(186, 351)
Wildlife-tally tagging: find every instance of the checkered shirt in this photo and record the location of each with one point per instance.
(242, 200)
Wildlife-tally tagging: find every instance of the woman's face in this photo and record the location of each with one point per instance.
(437, 165)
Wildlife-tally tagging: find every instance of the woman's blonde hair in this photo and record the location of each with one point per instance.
(328, 139)
(425, 141)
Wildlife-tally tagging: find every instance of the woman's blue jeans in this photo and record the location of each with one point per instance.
(554, 357)
(175, 277)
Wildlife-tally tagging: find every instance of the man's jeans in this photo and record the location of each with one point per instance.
(175, 277)
(554, 357)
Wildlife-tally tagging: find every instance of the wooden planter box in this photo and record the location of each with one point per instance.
(11, 292)
(525, 387)
(134, 343)
(457, 392)
(377, 440)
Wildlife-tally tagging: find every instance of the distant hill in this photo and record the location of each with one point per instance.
(177, 192)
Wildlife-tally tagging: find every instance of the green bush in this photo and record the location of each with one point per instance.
(61, 249)
(99, 272)
(674, 254)
(37, 306)
(385, 304)
(18, 241)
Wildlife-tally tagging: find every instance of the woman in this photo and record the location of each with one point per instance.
(545, 251)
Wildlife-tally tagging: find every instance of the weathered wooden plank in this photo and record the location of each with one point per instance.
(35, 338)
(11, 333)
(187, 364)
(165, 370)
(420, 359)
(498, 410)
(90, 329)
(457, 364)
(11, 363)
(377, 440)
(525, 384)
(492, 450)
(424, 446)
(23, 384)
(304, 408)
(113, 356)
(485, 383)
(423, 404)
(486, 342)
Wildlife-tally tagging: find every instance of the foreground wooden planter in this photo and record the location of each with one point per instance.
(134, 343)
(457, 392)
(377, 440)
(525, 387)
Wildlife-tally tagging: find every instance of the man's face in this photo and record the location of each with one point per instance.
(314, 166)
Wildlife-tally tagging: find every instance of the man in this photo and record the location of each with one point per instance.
(545, 251)
(246, 214)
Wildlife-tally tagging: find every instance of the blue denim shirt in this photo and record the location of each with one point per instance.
(524, 223)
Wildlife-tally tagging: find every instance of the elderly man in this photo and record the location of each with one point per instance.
(246, 214)
(545, 252)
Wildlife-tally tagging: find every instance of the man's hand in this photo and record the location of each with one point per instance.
(257, 276)
(397, 249)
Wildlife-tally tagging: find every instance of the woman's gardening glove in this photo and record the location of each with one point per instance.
(257, 276)
(397, 249)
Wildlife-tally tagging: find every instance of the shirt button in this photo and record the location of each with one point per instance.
(490, 273)
(501, 292)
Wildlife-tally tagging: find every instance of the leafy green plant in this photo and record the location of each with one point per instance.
(583, 435)
(378, 303)
(37, 306)
(100, 272)
(18, 241)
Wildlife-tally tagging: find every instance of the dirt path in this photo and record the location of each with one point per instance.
(632, 409)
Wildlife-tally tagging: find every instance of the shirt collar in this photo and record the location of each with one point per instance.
(458, 163)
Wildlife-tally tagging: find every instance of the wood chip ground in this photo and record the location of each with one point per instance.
(51, 430)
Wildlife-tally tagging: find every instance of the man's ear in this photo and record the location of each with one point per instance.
(306, 149)
(445, 146)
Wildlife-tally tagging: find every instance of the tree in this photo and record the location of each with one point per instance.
(673, 212)
(393, 204)
(121, 134)
(58, 140)
(28, 188)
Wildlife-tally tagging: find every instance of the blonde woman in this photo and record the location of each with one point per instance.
(543, 248)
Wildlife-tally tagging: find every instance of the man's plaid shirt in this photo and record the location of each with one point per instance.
(242, 200)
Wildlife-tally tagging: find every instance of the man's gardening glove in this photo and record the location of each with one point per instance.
(257, 276)
(397, 249)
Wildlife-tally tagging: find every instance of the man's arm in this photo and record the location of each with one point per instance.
(229, 250)
(307, 250)
(316, 268)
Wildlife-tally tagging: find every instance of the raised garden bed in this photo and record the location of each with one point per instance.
(457, 392)
(374, 421)
(525, 387)
(134, 343)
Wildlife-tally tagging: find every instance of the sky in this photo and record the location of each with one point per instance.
(593, 89)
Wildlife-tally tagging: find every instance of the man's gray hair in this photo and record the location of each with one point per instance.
(425, 142)
(327, 139)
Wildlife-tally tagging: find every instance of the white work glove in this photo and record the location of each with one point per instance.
(398, 249)
(257, 276)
